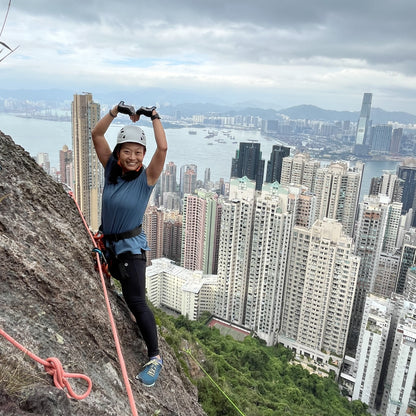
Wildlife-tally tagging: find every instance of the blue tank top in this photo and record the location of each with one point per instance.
(123, 207)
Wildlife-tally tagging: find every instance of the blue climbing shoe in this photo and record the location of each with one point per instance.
(150, 373)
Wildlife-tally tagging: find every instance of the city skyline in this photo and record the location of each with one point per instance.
(280, 54)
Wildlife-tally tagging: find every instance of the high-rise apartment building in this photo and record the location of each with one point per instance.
(188, 179)
(168, 184)
(153, 227)
(299, 169)
(385, 365)
(43, 161)
(406, 171)
(387, 184)
(200, 231)
(88, 172)
(235, 250)
(273, 218)
(371, 227)
(372, 344)
(320, 284)
(364, 120)
(396, 141)
(337, 189)
(274, 165)
(248, 162)
(407, 260)
(172, 236)
(66, 166)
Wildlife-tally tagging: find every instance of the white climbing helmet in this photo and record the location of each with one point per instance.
(132, 134)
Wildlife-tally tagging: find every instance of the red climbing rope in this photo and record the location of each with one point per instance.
(54, 367)
(110, 314)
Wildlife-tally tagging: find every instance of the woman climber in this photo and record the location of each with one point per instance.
(127, 189)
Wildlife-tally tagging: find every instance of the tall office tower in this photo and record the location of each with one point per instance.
(153, 228)
(371, 227)
(88, 171)
(319, 291)
(65, 166)
(172, 236)
(299, 169)
(200, 231)
(380, 138)
(374, 332)
(187, 179)
(338, 189)
(274, 165)
(273, 219)
(235, 250)
(406, 171)
(392, 228)
(395, 141)
(363, 122)
(43, 161)
(407, 259)
(248, 162)
(398, 392)
(387, 184)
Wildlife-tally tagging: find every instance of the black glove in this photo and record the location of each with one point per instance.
(125, 109)
(146, 111)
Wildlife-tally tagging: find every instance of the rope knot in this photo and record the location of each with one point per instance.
(54, 367)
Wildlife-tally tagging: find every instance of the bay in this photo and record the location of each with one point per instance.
(44, 136)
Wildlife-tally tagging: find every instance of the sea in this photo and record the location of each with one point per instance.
(186, 145)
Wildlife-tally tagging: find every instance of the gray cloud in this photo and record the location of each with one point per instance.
(280, 47)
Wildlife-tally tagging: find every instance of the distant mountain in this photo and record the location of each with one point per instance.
(377, 115)
(192, 104)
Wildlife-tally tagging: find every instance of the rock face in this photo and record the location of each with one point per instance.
(52, 303)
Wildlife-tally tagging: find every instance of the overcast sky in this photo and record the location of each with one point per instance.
(281, 52)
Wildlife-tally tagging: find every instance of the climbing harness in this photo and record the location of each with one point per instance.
(110, 314)
(188, 351)
(54, 367)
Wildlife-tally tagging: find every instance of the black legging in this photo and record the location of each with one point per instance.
(134, 292)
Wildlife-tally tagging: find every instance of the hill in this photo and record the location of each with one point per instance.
(53, 304)
(378, 116)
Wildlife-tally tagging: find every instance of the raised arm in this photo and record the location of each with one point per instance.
(100, 143)
(157, 163)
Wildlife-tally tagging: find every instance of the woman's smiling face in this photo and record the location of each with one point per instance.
(130, 156)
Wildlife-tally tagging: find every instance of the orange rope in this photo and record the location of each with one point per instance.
(54, 367)
(110, 314)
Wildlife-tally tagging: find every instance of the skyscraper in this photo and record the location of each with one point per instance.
(248, 162)
(88, 171)
(274, 165)
(380, 138)
(363, 122)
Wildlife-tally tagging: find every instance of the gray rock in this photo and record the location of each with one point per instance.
(53, 304)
